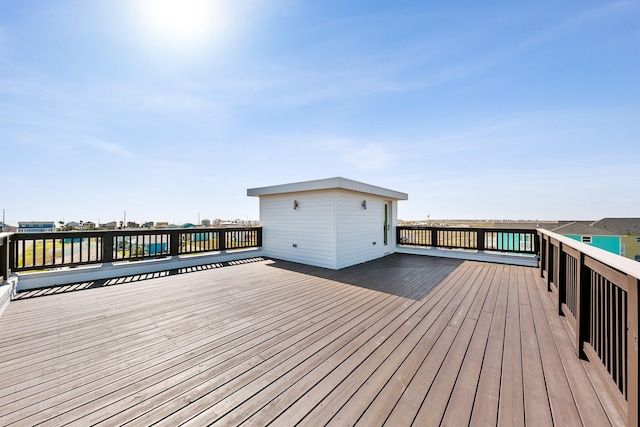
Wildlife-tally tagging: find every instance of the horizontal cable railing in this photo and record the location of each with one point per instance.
(489, 239)
(597, 292)
(42, 251)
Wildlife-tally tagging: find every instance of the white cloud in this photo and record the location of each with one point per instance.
(366, 157)
(108, 147)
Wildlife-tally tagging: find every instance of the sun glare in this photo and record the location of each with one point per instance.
(181, 23)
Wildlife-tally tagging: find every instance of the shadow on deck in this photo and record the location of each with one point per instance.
(411, 276)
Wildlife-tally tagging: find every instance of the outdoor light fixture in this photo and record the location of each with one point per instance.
(364, 204)
(295, 204)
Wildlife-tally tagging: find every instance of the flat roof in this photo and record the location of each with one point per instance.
(328, 184)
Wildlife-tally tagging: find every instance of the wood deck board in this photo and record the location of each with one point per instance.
(174, 376)
(404, 340)
(180, 338)
(164, 362)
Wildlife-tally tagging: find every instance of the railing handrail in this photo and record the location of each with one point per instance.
(457, 228)
(620, 263)
(123, 231)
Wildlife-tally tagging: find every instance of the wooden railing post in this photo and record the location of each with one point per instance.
(480, 240)
(561, 277)
(5, 261)
(550, 266)
(632, 351)
(259, 237)
(107, 247)
(222, 239)
(434, 237)
(174, 242)
(542, 264)
(583, 302)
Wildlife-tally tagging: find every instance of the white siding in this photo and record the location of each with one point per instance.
(360, 231)
(328, 229)
(311, 227)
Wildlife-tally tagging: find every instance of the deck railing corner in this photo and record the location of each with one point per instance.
(598, 293)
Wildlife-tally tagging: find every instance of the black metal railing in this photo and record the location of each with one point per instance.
(598, 293)
(41, 251)
(481, 239)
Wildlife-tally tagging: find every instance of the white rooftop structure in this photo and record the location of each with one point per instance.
(328, 184)
(331, 223)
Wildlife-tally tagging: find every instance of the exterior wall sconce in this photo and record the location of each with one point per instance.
(364, 204)
(295, 204)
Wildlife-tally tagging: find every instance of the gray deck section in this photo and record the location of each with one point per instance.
(404, 340)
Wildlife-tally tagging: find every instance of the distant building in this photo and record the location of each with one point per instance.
(6, 228)
(629, 231)
(206, 223)
(161, 224)
(111, 225)
(148, 224)
(36, 226)
(586, 232)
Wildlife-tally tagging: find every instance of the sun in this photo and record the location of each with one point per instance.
(181, 23)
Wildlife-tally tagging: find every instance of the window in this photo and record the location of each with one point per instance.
(636, 257)
(637, 239)
(586, 239)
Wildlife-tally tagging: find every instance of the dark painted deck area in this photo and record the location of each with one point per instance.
(405, 340)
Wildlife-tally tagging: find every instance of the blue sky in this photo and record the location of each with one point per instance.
(514, 110)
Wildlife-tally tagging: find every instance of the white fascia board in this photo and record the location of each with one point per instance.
(328, 184)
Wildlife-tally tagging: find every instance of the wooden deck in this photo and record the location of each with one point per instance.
(405, 340)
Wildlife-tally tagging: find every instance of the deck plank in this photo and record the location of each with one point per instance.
(511, 408)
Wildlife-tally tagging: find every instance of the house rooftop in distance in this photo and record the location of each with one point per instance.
(328, 184)
(582, 227)
(620, 226)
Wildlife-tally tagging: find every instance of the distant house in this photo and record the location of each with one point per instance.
(72, 225)
(205, 223)
(111, 225)
(161, 224)
(36, 226)
(6, 228)
(629, 231)
(586, 232)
